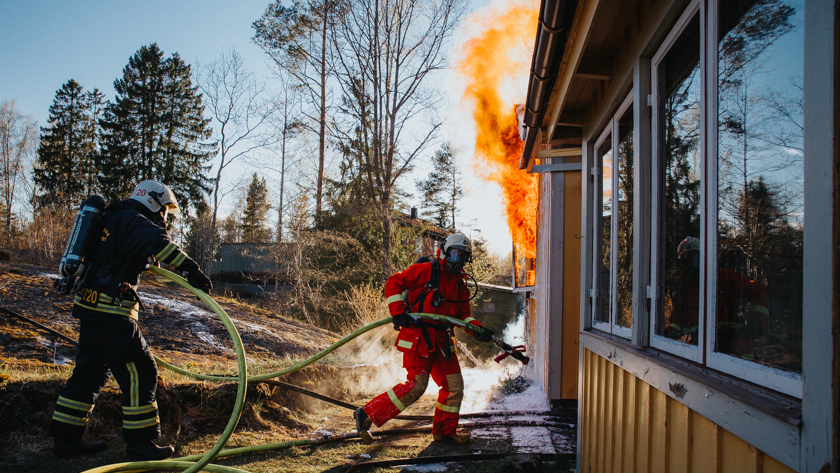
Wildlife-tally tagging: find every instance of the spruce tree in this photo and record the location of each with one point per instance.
(155, 129)
(254, 216)
(442, 190)
(65, 173)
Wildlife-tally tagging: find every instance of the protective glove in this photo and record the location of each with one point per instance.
(199, 280)
(484, 336)
(402, 320)
(193, 274)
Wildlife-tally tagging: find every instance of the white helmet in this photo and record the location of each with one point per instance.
(688, 245)
(457, 251)
(157, 197)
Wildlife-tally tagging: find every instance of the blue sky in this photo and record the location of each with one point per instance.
(46, 43)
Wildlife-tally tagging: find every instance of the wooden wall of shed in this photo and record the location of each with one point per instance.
(571, 284)
(545, 300)
(554, 324)
(629, 426)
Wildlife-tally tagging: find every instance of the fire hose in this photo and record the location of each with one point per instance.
(195, 463)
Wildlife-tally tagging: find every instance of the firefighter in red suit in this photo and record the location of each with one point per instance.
(736, 294)
(427, 346)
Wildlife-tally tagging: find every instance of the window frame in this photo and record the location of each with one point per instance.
(597, 256)
(786, 382)
(611, 129)
(647, 247)
(683, 350)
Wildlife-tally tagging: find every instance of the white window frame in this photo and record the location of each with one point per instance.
(610, 130)
(683, 350)
(772, 378)
(597, 216)
(778, 380)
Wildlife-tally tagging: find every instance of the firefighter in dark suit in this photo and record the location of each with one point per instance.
(110, 340)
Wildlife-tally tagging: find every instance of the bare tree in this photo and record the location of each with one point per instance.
(242, 109)
(388, 51)
(298, 40)
(18, 134)
(760, 131)
(288, 124)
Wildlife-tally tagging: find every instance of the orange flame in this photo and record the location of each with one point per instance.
(497, 56)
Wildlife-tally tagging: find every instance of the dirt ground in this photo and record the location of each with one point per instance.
(28, 290)
(34, 366)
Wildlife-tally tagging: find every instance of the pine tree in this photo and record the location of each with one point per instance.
(254, 215)
(155, 129)
(65, 173)
(442, 190)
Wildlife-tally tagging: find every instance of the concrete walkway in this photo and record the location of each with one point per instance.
(531, 442)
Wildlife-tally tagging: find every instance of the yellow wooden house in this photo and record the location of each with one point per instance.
(687, 252)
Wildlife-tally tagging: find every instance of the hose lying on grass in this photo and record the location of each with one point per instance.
(195, 463)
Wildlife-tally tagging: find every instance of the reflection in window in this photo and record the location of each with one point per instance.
(680, 87)
(604, 157)
(624, 227)
(760, 182)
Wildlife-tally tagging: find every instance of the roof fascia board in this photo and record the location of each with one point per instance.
(657, 26)
(578, 36)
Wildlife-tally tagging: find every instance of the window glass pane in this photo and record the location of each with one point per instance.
(760, 182)
(604, 156)
(624, 230)
(679, 135)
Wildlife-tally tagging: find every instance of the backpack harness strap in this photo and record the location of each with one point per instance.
(431, 287)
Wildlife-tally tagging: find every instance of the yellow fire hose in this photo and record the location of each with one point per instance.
(201, 462)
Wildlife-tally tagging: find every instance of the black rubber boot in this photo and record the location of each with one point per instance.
(363, 423)
(147, 451)
(75, 448)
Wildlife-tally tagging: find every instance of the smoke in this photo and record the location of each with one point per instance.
(373, 364)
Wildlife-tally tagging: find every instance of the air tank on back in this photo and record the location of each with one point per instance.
(82, 240)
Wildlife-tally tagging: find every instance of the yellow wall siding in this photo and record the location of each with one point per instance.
(630, 427)
(571, 282)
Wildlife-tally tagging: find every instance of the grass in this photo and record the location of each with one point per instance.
(31, 447)
(194, 414)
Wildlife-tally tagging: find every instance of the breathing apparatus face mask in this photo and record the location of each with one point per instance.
(457, 258)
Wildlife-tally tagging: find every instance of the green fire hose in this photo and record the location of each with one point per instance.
(201, 462)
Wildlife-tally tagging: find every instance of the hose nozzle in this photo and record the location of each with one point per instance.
(516, 352)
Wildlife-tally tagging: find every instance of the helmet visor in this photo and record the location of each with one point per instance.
(166, 209)
(458, 256)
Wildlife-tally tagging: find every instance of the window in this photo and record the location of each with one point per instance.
(677, 315)
(727, 192)
(756, 285)
(613, 261)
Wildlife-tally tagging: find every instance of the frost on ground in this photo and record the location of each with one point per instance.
(531, 440)
(432, 467)
(193, 314)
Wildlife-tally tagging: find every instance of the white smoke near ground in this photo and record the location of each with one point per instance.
(514, 333)
(374, 353)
